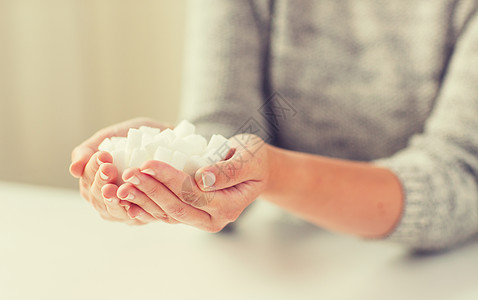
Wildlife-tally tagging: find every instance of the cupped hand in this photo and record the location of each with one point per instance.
(98, 176)
(211, 199)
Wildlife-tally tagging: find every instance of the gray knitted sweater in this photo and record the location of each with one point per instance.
(393, 82)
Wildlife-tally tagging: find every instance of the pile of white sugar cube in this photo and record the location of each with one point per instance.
(180, 148)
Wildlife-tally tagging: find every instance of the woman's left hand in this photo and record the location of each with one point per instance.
(214, 197)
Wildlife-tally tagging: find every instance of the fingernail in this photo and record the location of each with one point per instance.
(133, 180)
(131, 216)
(129, 197)
(208, 179)
(149, 172)
(125, 206)
(103, 176)
(108, 199)
(98, 161)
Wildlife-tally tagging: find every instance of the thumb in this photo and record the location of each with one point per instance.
(79, 158)
(225, 173)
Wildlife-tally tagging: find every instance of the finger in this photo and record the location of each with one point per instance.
(224, 174)
(116, 211)
(131, 213)
(164, 196)
(96, 190)
(92, 167)
(112, 203)
(179, 183)
(107, 173)
(137, 213)
(129, 193)
(79, 158)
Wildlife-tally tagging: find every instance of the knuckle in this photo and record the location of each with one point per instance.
(177, 212)
(230, 170)
(160, 216)
(87, 180)
(98, 185)
(84, 184)
(201, 201)
(95, 192)
(167, 179)
(214, 228)
(139, 201)
(230, 216)
(166, 220)
(152, 190)
(190, 197)
(169, 220)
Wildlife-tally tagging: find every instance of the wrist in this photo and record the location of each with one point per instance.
(273, 169)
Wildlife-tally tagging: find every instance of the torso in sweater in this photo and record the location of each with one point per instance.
(362, 74)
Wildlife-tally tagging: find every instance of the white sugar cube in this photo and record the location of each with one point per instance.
(119, 160)
(134, 139)
(167, 135)
(118, 142)
(106, 145)
(146, 139)
(158, 141)
(152, 147)
(181, 148)
(199, 142)
(148, 134)
(165, 139)
(149, 130)
(187, 147)
(184, 128)
(217, 141)
(163, 154)
(217, 149)
(194, 163)
(179, 160)
(138, 157)
(213, 157)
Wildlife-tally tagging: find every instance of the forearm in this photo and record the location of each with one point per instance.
(352, 197)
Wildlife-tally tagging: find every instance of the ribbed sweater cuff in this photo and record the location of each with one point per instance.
(415, 212)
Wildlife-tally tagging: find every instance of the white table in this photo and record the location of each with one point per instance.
(54, 246)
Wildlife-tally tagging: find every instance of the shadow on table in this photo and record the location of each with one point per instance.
(447, 274)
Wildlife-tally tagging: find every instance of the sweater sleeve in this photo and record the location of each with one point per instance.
(439, 168)
(225, 62)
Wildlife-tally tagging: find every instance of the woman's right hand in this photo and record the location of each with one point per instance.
(98, 176)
